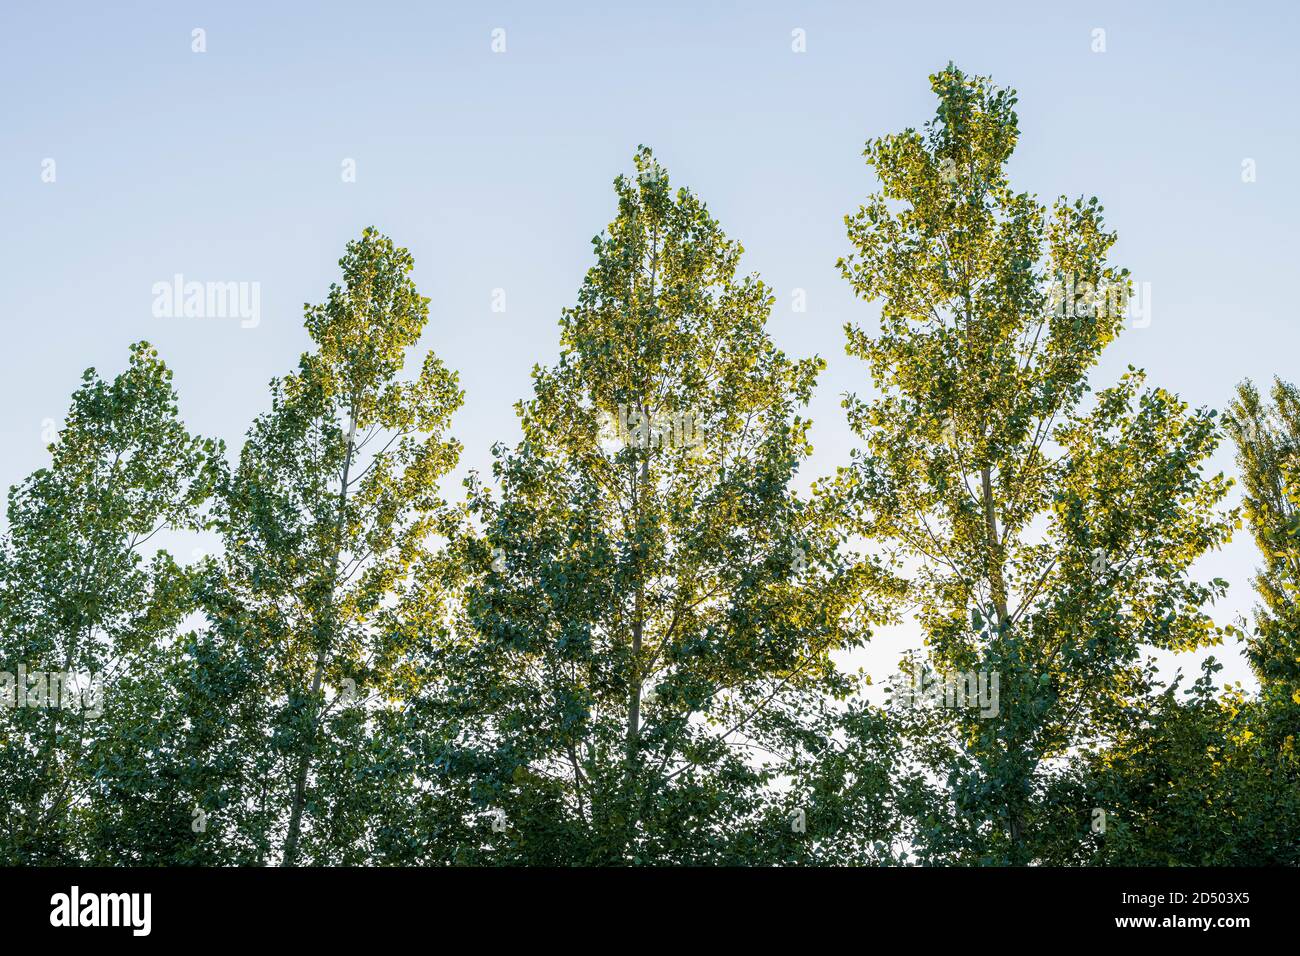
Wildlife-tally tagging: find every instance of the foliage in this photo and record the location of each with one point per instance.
(645, 646)
(81, 598)
(626, 645)
(1268, 456)
(1051, 540)
(324, 595)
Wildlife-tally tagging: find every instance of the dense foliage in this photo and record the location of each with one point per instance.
(622, 646)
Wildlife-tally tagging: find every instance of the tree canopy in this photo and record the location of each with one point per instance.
(627, 643)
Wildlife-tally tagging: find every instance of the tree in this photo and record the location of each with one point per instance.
(88, 615)
(1268, 454)
(645, 642)
(325, 601)
(1197, 781)
(1050, 540)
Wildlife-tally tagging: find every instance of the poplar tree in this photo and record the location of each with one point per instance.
(90, 608)
(1268, 455)
(326, 597)
(1050, 532)
(645, 642)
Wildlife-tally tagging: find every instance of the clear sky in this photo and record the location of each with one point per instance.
(494, 168)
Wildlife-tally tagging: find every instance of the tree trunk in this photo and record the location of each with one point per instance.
(634, 676)
(998, 590)
(997, 584)
(634, 695)
(318, 671)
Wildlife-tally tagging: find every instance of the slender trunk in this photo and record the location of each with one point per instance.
(638, 611)
(997, 583)
(998, 589)
(322, 655)
(634, 675)
(634, 702)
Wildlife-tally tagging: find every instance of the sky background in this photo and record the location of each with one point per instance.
(495, 170)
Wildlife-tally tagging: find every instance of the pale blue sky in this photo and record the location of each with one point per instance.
(495, 170)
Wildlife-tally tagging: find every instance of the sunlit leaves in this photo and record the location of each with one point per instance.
(1051, 534)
